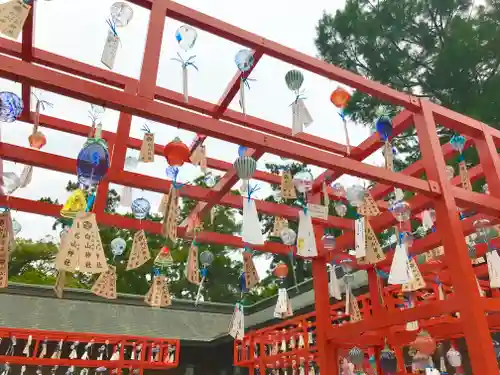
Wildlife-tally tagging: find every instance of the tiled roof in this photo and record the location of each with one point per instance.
(27, 306)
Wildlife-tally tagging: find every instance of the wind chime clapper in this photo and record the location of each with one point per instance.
(206, 259)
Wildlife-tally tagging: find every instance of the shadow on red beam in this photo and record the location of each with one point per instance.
(110, 220)
(388, 319)
(148, 109)
(139, 181)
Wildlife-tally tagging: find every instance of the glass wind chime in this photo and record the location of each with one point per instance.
(120, 16)
(186, 37)
(340, 99)
(245, 61)
(300, 114)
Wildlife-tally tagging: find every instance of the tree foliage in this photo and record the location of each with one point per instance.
(446, 50)
(32, 262)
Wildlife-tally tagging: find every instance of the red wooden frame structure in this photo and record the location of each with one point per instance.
(34, 67)
(167, 350)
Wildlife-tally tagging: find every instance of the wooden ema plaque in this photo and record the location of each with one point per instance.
(147, 154)
(156, 297)
(193, 267)
(251, 275)
(13, 15)
(4, 250)
(464, 176)
(105, 285)
(418, 281)
(140, 251)
(388, 156)
(287, 188)
(162, 208)
(199, 157)
(369, 206)
(354, 312)
(60, 282)
(279, 224)
(326, 197)
(83, 249)
(374, 252)
(170, 218)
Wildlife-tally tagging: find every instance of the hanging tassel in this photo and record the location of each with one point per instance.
(251, 227)
(126, 196)
(306, 241)
(74, 350)
(57, 351)
(333, 284)
(283, 308)
(26, 350)
(237, 324)
(23, 370)
(300, 116)
(12, 346)
(88, 350)
(493, 260)
(43, 351)
(116, 355)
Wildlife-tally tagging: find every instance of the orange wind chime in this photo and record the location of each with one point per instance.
(340, 98)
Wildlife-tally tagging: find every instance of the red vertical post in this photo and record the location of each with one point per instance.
(28, 41)
(152, 50)
(490, 161)
(373, 287)
(327, 353)
(475, 325)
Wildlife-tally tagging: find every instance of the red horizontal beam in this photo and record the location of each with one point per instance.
(152, 110)
(67, 165)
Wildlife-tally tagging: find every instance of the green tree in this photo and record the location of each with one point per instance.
(32, 262)
(446, 50)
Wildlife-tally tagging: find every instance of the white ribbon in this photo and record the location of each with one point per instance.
(126, 196)
(333, 285)
(300, 116)
(26, 350)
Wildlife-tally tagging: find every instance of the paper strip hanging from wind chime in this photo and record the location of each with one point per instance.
(237, 323)
(373, 250)
(300, 114)
(140, 253)
(83, 250)
(199, 157)
(121, 15)
(244, 60)
(306, 241)
(186, 37)
(333, 284)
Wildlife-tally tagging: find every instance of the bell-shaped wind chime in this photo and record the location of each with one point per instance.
(300, 114)
(340, 98)
(245, 167)
(206, 259)
(245, 61)
(120, 16)
(186, 39)
(36, 140)
(283, 308)
(306, 241)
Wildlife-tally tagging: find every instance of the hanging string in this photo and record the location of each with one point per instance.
(185, 63)
(251, 190)
(172, 173)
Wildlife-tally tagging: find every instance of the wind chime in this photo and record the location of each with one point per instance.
(283, 308)
(245, 61)
(300, 114)
(340, 99)
(120, 16)
(186, 39)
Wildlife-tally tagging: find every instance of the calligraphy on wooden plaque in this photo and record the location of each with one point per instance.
(374, 252)
(91, 256)
(4, 250)
(67, 257)
(464, 176)
(199, 157)
(287, 188)
(162, 208)
(147, 154)
(155, 297)
(251, 275)
(369, 206)
(13, 15)
(279, 224)
(326, 197)
(105, 285)
(170, 220)
(140, 251)
(354, 312)
(417, 282)
(193, 267)
(388, 156)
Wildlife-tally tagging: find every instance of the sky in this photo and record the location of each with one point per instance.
(78, 30)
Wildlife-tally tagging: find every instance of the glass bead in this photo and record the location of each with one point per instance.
(11, 106)
(140, 208)
(186, 37)
(118, 246)
(206, 258)
(121, 14)
(244, 60)
(92, 163)
(303, 181)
